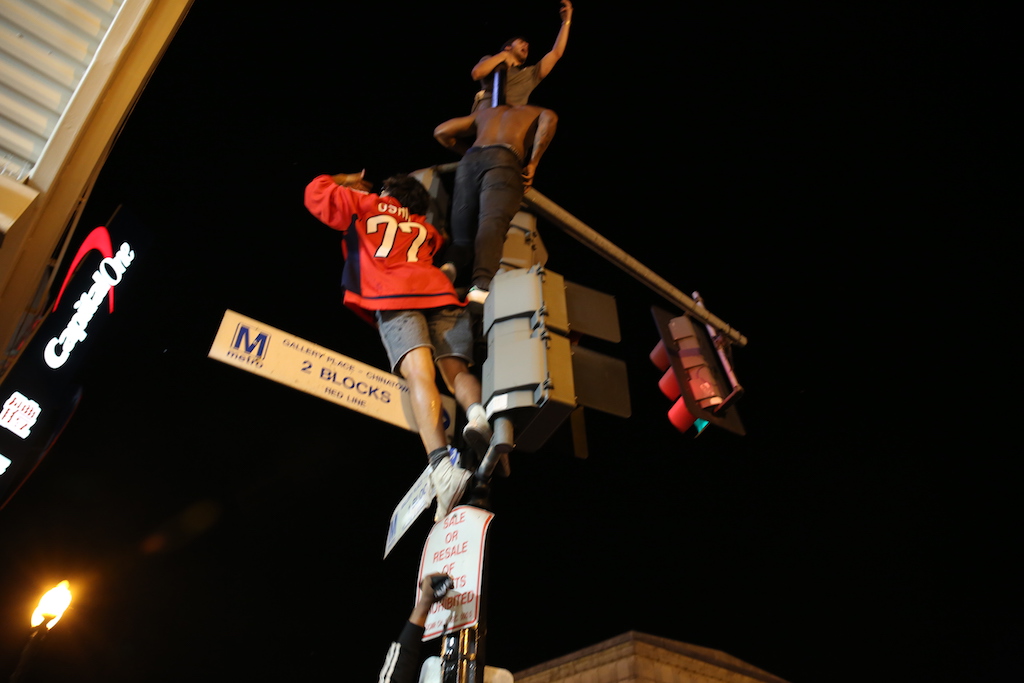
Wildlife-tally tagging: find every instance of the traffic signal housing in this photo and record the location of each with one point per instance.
(698, 375)
(535, 373)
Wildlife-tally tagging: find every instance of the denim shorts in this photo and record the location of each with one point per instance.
(447, 331)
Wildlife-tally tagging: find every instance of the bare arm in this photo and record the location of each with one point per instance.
(546, 124)
(422, 608)
(549, 60)
(486, 65)
(453, 133)
(354, 180)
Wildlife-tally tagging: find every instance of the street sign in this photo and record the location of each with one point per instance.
(455, 547)
(266, 351)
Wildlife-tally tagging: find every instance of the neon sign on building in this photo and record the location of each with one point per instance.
(107, 275)
(41, 393)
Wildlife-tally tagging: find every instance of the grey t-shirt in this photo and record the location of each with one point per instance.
(521, 81)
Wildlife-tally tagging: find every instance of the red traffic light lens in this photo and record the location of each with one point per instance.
(669, 385)
(659, 356)
(680, 417)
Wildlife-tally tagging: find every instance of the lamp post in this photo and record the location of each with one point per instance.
(49, 611)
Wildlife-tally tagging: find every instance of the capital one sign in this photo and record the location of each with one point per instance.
(42, 390)
(106, 276)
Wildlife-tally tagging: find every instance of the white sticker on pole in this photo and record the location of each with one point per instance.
(455, 547)
(416, 500)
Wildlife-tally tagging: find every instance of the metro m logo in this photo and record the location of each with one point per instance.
(244, 339)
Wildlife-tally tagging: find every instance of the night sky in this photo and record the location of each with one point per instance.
(805, 171)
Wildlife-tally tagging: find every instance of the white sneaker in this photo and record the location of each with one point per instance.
(477, 431)
(449, 485)
(476, 295)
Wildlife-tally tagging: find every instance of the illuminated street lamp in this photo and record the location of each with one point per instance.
(52, 605)
(49, 611)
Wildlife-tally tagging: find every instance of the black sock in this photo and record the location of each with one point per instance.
(437, 455)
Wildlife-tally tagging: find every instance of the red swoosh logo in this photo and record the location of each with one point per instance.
(98, 239)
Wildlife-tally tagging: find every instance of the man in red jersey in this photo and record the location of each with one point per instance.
(390, 277)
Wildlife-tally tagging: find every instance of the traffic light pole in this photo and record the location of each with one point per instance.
(582, 232)
(597, 242)
(462, 656)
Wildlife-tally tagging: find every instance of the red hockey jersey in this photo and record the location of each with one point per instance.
(389, 253)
